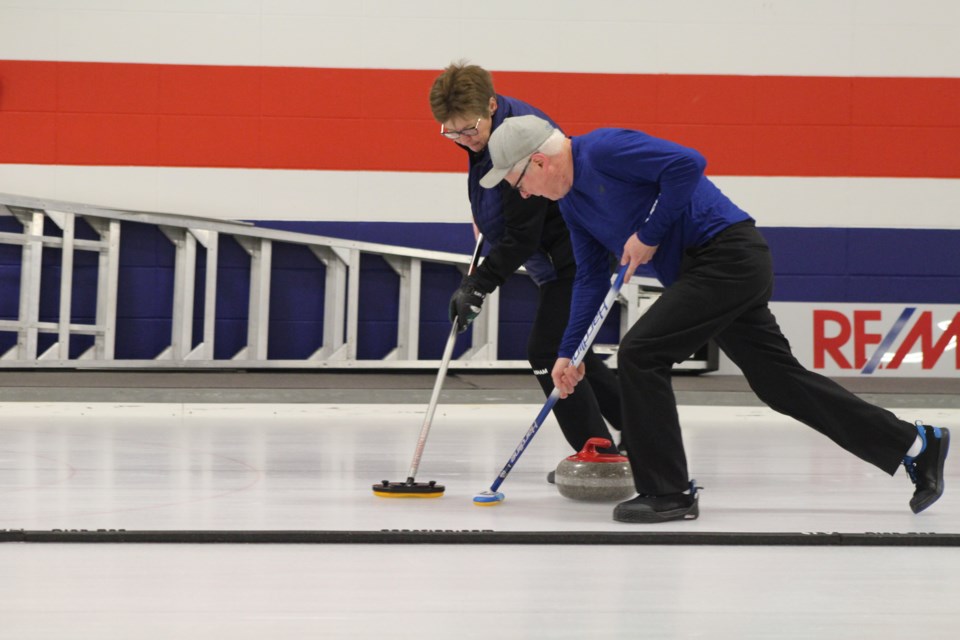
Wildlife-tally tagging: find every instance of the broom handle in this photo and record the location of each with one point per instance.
(444, 364)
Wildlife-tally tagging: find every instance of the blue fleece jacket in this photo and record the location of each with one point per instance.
(627, 182)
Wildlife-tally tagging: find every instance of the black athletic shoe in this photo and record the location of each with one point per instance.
(654, 509)
(552, 477)
(926, 470)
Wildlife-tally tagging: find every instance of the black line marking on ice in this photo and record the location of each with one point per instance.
(484, 536)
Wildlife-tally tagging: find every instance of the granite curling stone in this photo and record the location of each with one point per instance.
(593, 476)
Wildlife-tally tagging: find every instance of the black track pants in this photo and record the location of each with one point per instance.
(722, 293)
(581, 415)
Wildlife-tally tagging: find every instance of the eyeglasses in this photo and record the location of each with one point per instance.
(469, 131)
(516, 185)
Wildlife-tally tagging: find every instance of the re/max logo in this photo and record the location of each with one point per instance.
(877, 343)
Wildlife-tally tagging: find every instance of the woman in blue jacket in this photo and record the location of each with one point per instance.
(528, 232)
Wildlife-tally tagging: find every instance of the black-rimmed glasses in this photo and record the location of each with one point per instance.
(516, 185)
(469, 131)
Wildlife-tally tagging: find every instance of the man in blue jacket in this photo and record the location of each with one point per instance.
(528, 232)
(648, 200)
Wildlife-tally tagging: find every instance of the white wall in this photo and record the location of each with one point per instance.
(749, 37)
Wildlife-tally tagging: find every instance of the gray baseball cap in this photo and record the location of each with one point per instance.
(515, 139)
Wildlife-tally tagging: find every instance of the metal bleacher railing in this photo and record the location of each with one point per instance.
(340, 259)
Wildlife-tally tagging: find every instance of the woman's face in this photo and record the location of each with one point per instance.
(474, 129)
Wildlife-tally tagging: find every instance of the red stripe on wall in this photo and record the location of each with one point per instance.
(375, 119)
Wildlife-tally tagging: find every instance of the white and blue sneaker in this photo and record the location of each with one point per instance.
(926, 468)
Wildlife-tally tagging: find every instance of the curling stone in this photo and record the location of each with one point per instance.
(593, 476)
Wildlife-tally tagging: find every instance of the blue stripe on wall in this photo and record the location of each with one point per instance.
(812, 265)
(865, 265)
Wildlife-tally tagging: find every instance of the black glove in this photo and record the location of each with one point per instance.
(466, 302)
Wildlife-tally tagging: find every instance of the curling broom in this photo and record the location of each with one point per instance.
(410, 488)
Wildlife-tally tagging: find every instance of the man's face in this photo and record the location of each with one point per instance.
(534, 179)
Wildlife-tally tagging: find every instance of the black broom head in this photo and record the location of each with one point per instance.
(408, 489)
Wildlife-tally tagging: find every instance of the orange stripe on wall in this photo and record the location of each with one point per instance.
(376, 119)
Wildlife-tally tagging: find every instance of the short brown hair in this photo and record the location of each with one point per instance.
(461, 90)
